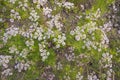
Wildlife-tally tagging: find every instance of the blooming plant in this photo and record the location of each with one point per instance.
(56, 40)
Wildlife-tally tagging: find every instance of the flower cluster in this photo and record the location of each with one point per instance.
(49, 34)
(79, 33)
(106, 60)
(105, 40)
(38, 34)
(106, 63)
(29, 43)
(70, 57)
(68, 5)
(24, 5)
(107, 26)
(14, 15)
(67, 77)
(12, 1)
(55, 21)
(24, 53)
(28, 33)
(22, 66)
(59, 66)
(79, 76)
(7, 72)
(109, 74)
(12, 31)
(48, 74)
(40, 3)
(13, 49)
(60, 40)
(47, 12)
(43, 52)
(92, 76)
(89, 44)
(34, 15)
(4, 60)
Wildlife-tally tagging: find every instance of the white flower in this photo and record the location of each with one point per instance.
(50, 23)
(59, 4)
(42, 2)
(106, 60)
(60, 40)
(1, 20)
(118, 31)
(79, 76)
(12, 31)
(14, 15)
(58, 46)
(35, 1)
(24, 53)
(12, 1)
(43, 52)
(67, 77)
(7, 72)
(38, 34)
(77, 37)
(68, 5)
(12, 49)
(92, 76)
(70, 57)
(72, 32)
(30, 43)
(82, 6)
(47, 12)
(22, 66)
(33, 15)
(59, 66)
(11, 20)
(4, 60)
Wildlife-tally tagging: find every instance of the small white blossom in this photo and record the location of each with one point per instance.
(7, 72)
(1, 20)
(72, 32)
(47, 11)
(77, 37)
(42, 2)
(68, 5)
(13, 49)
(24, 53)
(12, 31)
(92, 76)
(79, 76)
(14, 15)
(30, 43)
(22, 66)
(23, 5)
(60, 40)
(59, 66)
(106, 60)
(43, 52)
(34, 15)
(12, 1)
(4, 60)
(70, 57)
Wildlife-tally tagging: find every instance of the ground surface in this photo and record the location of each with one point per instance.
(59, 39)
